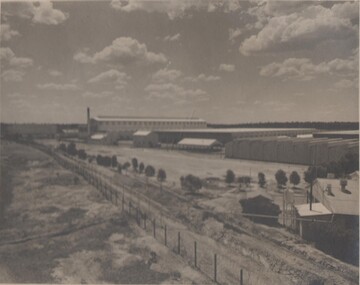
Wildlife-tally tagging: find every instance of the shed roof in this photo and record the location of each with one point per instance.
(338, 201)
(198, 142)
(98, 136)
(142, 133)
(317, 209)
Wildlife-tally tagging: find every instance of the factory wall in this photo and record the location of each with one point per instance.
(291, 150)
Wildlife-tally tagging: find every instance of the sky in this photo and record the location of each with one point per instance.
(225, 61)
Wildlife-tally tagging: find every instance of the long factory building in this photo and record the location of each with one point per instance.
(306, 151)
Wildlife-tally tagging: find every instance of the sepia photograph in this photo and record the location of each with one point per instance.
(179, 142)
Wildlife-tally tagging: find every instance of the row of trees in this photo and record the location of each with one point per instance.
(71, 149)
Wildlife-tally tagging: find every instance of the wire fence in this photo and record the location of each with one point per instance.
(152, 218)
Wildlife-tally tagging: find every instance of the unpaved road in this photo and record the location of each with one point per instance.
(56, 228)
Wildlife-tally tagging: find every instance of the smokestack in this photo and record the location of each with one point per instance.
(88, 121)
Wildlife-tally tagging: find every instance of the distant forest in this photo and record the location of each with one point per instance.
(314, 125)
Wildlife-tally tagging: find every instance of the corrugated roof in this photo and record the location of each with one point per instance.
(317, 209)
(338, 202)
(146, 119)
(198, 142)
(142, 133)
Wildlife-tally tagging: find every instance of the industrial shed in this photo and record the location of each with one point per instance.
(199, 144)
(305, 151)
(145, 139)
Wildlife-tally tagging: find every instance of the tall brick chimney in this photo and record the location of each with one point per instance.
(88, 122)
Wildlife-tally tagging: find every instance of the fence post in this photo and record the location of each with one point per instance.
(154, 228)
(165, 236)
(145, 221)
(215, 267)
(137, 216)
(178, 242)
(241, 277)
(195, 254)
(122, 202)
(130, 208)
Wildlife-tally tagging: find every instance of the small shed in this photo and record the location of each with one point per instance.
(145, 139)
(199, 144)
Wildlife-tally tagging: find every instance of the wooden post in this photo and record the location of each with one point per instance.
(165, 236)
(215, 267)
(178, 242)
(122, 202)
(129, 207)
(195, 254)
(241, 277)
(145, 221)
(154, 228)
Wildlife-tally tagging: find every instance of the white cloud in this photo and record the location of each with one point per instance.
(6, 33)
(41, 12)
(305, 69)
(112, 75)
(8, 58)
(172, 91)
(346, 83)
(55, 73)
(58, 87)
(103, 94)
(123, 50)
(202, 78)
(299, 26)
(234, 34)
(173, 38)
(12, 75)
(166, 75)
(227, 67)
(175, 8)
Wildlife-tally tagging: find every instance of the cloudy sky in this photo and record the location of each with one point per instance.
(224, 61)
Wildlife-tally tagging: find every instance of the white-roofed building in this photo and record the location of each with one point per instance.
(145, 139)
(199, 144)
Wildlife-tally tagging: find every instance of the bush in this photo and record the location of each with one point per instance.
(119, 168)
(192, 183)
(261, 179)
(230, 176)
(82, 154)
(99, 159)
(107, 161)
(71, 149)
(62, 147)
(126, 165)
(281, 178)
(114, 161)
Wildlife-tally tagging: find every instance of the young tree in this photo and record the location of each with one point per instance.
(141, 167)
(294, 178)
(62, 147)
(71, 149)
(149, 172)
(99, 159)
(114, 161)
(261, 178)
(244, 179)
(161, 177)
(125, 166)
(119, 168)
(182, 182)
(310, 174)
(230, 176)
(134, 163)
(281, 178)
(82, 154)
(107, 161)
